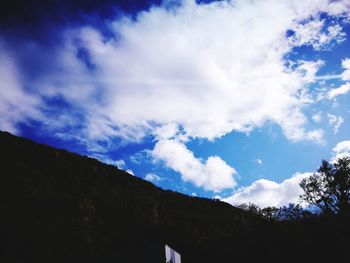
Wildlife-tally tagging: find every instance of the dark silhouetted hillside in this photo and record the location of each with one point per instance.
(58, 206)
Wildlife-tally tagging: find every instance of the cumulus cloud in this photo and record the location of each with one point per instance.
(213, 174)
(269, 193)
(335, 121)
(265, 192)
(342, 149)
(148, 76)
(179, 75)
(292, 127)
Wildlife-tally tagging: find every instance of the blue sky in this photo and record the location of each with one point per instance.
(237, 100)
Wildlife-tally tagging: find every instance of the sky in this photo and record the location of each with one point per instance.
(233, 100)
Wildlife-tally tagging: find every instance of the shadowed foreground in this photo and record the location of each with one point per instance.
(61, 207)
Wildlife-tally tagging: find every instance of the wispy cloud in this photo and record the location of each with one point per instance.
(317, 117)
(120, 164)
(345, 76)
(335, 122)
(343, 89)
(152, 177)
(16, 104)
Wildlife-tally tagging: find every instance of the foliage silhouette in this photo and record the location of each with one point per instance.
(329, 188)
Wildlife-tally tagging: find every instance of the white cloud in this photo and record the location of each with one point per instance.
(317, 117)
(140, 157)
(342, 149)
(308, 69)
(169, 131)
(292, 126)
(269, 193)
(259, 161)
(342, 90)
(213, 174)
(130, 171)
(120, 164)
(345, 88)
(218, 197)
(316, 34)
(153, 177)
(346, 65)
(335, 121)
(16, 105)
(150, 77)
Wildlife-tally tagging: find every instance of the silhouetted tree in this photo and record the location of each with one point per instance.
(250, 207)
(269, 212)
(291, 212)
(329, 188)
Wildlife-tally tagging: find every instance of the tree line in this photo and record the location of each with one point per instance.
(325, 193)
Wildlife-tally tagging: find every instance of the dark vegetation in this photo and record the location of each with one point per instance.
(61, 207)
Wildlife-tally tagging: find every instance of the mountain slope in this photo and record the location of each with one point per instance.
(59, 205)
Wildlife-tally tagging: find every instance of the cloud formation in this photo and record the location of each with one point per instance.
(269, 193)
(342, 149)
(213, 174)
(148, 75)
(16, 104)
(206, 101)
(343, 89)
(346, 73)
(317, 117)
(259, 161)
(345, 76)
(315, 34)
(335, 121)
(120, 164)
(153, 177)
